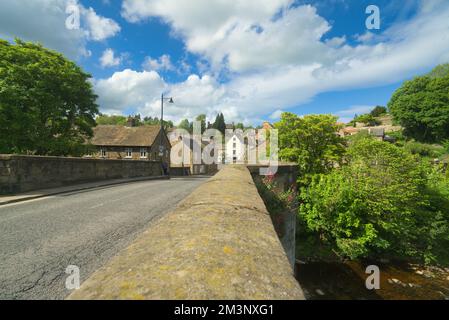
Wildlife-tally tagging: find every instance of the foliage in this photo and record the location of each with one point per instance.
(368, 119)
(378, 111)
(240, 126)
(220, 123)
(47, 104)
(424, 149)
(378, 203)
(276, 200)
(156, 121)
(186, 125)
(202, 118)
(311, 142)
(104, 119)
(421, 106)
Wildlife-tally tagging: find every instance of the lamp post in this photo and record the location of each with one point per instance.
(161, 146)
(170, 100)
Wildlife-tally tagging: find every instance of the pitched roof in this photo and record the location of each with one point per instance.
(110, 135)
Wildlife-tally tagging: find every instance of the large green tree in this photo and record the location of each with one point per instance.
(47, 104)
(311, 142)
(421, 106)
(379, 202)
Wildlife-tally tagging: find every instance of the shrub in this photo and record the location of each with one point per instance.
(379, 203)
(424, 150)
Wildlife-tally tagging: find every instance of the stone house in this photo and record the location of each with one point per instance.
(131, 143)
(185, 149)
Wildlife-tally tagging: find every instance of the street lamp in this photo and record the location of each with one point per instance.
(170, 100)
(161, 146)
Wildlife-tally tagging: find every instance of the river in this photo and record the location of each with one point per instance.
(346, 281)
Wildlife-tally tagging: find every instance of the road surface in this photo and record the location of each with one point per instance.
(39, 239)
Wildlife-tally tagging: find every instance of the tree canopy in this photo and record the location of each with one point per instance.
(421, 106)
(311, 142)
(220, 123)
(378, 111)
(47, 104)
(378, 202)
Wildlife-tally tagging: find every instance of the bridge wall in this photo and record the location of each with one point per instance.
(219, 243)
(27, 173)
(285, 222)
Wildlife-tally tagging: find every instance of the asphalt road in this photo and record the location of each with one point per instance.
(39, 239)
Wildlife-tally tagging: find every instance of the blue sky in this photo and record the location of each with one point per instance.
(250, 59)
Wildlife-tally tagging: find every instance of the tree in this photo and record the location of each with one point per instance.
(378, 111)
(155, 121)
(202, 118)
(47, 104)
(421, 106)
(367, 119)
(220, 123)
(186, 125)
(104, 119)
(377, 203)
(311, 142)
(240, 126)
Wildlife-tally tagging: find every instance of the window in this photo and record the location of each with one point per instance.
(143, 153)
(103, 153)
(234, 152)
(129, 153)
(234, 145)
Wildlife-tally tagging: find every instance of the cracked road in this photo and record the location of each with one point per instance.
(40, 238)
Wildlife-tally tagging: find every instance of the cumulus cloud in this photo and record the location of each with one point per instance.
(162, 63)
(99, 28)
(44, 21)
(129, 89)
(277, 56)
(108, 59)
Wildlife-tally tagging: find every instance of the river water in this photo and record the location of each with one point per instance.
(346, 281)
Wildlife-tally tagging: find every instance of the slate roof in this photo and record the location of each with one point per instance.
(111, 135)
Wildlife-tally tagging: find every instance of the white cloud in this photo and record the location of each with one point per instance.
(108, 59)
(162, 63)
(237, 32)
(99, 28)
(129, 89)
(282, 62)
(44, 21)
(276, 115)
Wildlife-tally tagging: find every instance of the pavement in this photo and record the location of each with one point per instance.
(41, 237)
(6, 199)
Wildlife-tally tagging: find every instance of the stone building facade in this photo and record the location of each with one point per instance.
(131, 143)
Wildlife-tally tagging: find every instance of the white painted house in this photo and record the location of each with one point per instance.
(235, 150)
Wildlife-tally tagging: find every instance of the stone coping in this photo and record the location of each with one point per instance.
(218, 244)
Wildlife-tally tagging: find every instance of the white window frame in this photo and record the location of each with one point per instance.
(129, 153)
(143, 153)
(103, 153)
